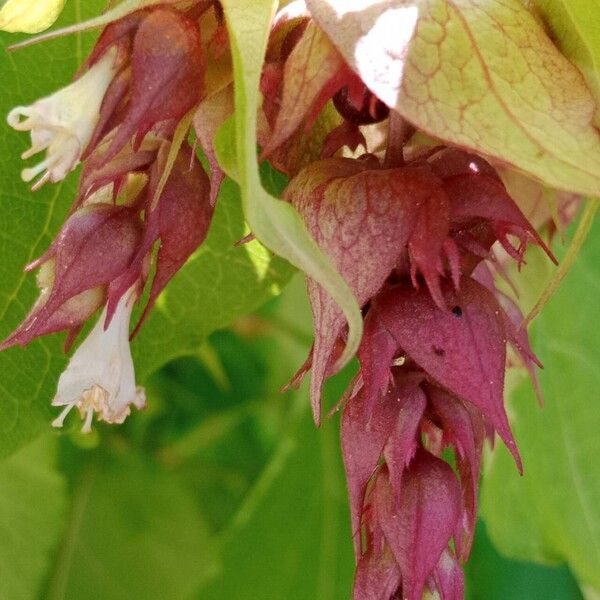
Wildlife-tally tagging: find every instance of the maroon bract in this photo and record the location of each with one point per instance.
(95, 246)
(164, 81)
(180, 220)
(368, 219)
(462, 349)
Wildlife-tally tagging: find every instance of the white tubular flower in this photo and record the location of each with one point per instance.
(63, 123)
(100, 377)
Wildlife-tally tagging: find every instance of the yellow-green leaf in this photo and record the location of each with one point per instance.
(574, 25)
(481, 74)
(274, 222)
(29, 16)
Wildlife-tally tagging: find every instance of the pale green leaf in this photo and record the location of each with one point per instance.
(574, 25)
(480, 74)
(274, 222)
(33, 506)
(29, 16)
(552, 513)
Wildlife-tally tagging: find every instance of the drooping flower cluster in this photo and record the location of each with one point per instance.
(416, 232)
(414, 228)
(412, 241)
(139, 188)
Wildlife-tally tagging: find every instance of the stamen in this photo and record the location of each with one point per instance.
(31, 172)
(35, 149)
(40, 182)
(59, 421)
(89, 415)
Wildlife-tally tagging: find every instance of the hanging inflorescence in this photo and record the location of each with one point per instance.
(418, 229)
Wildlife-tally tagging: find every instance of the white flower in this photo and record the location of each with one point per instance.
(100, 377)
(63, 123)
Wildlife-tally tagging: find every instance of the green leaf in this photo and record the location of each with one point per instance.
(552, 513)
(134, 532)
(482, 75)
(575, 27)
(29, 16)
(277, 224)
(490, 576)
(27, 224)
(33, 504)
(291, 536)
(220, 282)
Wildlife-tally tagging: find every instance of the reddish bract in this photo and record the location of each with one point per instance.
(95, 246)
(164, 81)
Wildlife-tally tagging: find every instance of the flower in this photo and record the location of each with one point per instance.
(63, 123)
(100, 377)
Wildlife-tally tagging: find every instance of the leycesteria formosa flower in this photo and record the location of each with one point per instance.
(62, 124)
(100, 376)
(412, 241)
(144, 74)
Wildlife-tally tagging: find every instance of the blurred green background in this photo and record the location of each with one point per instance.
(221, 489)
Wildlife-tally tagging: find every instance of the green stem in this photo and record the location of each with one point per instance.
(567, 262)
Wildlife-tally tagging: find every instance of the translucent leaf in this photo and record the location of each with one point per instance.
(574, 26)
(482, 75)
(29, 16)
